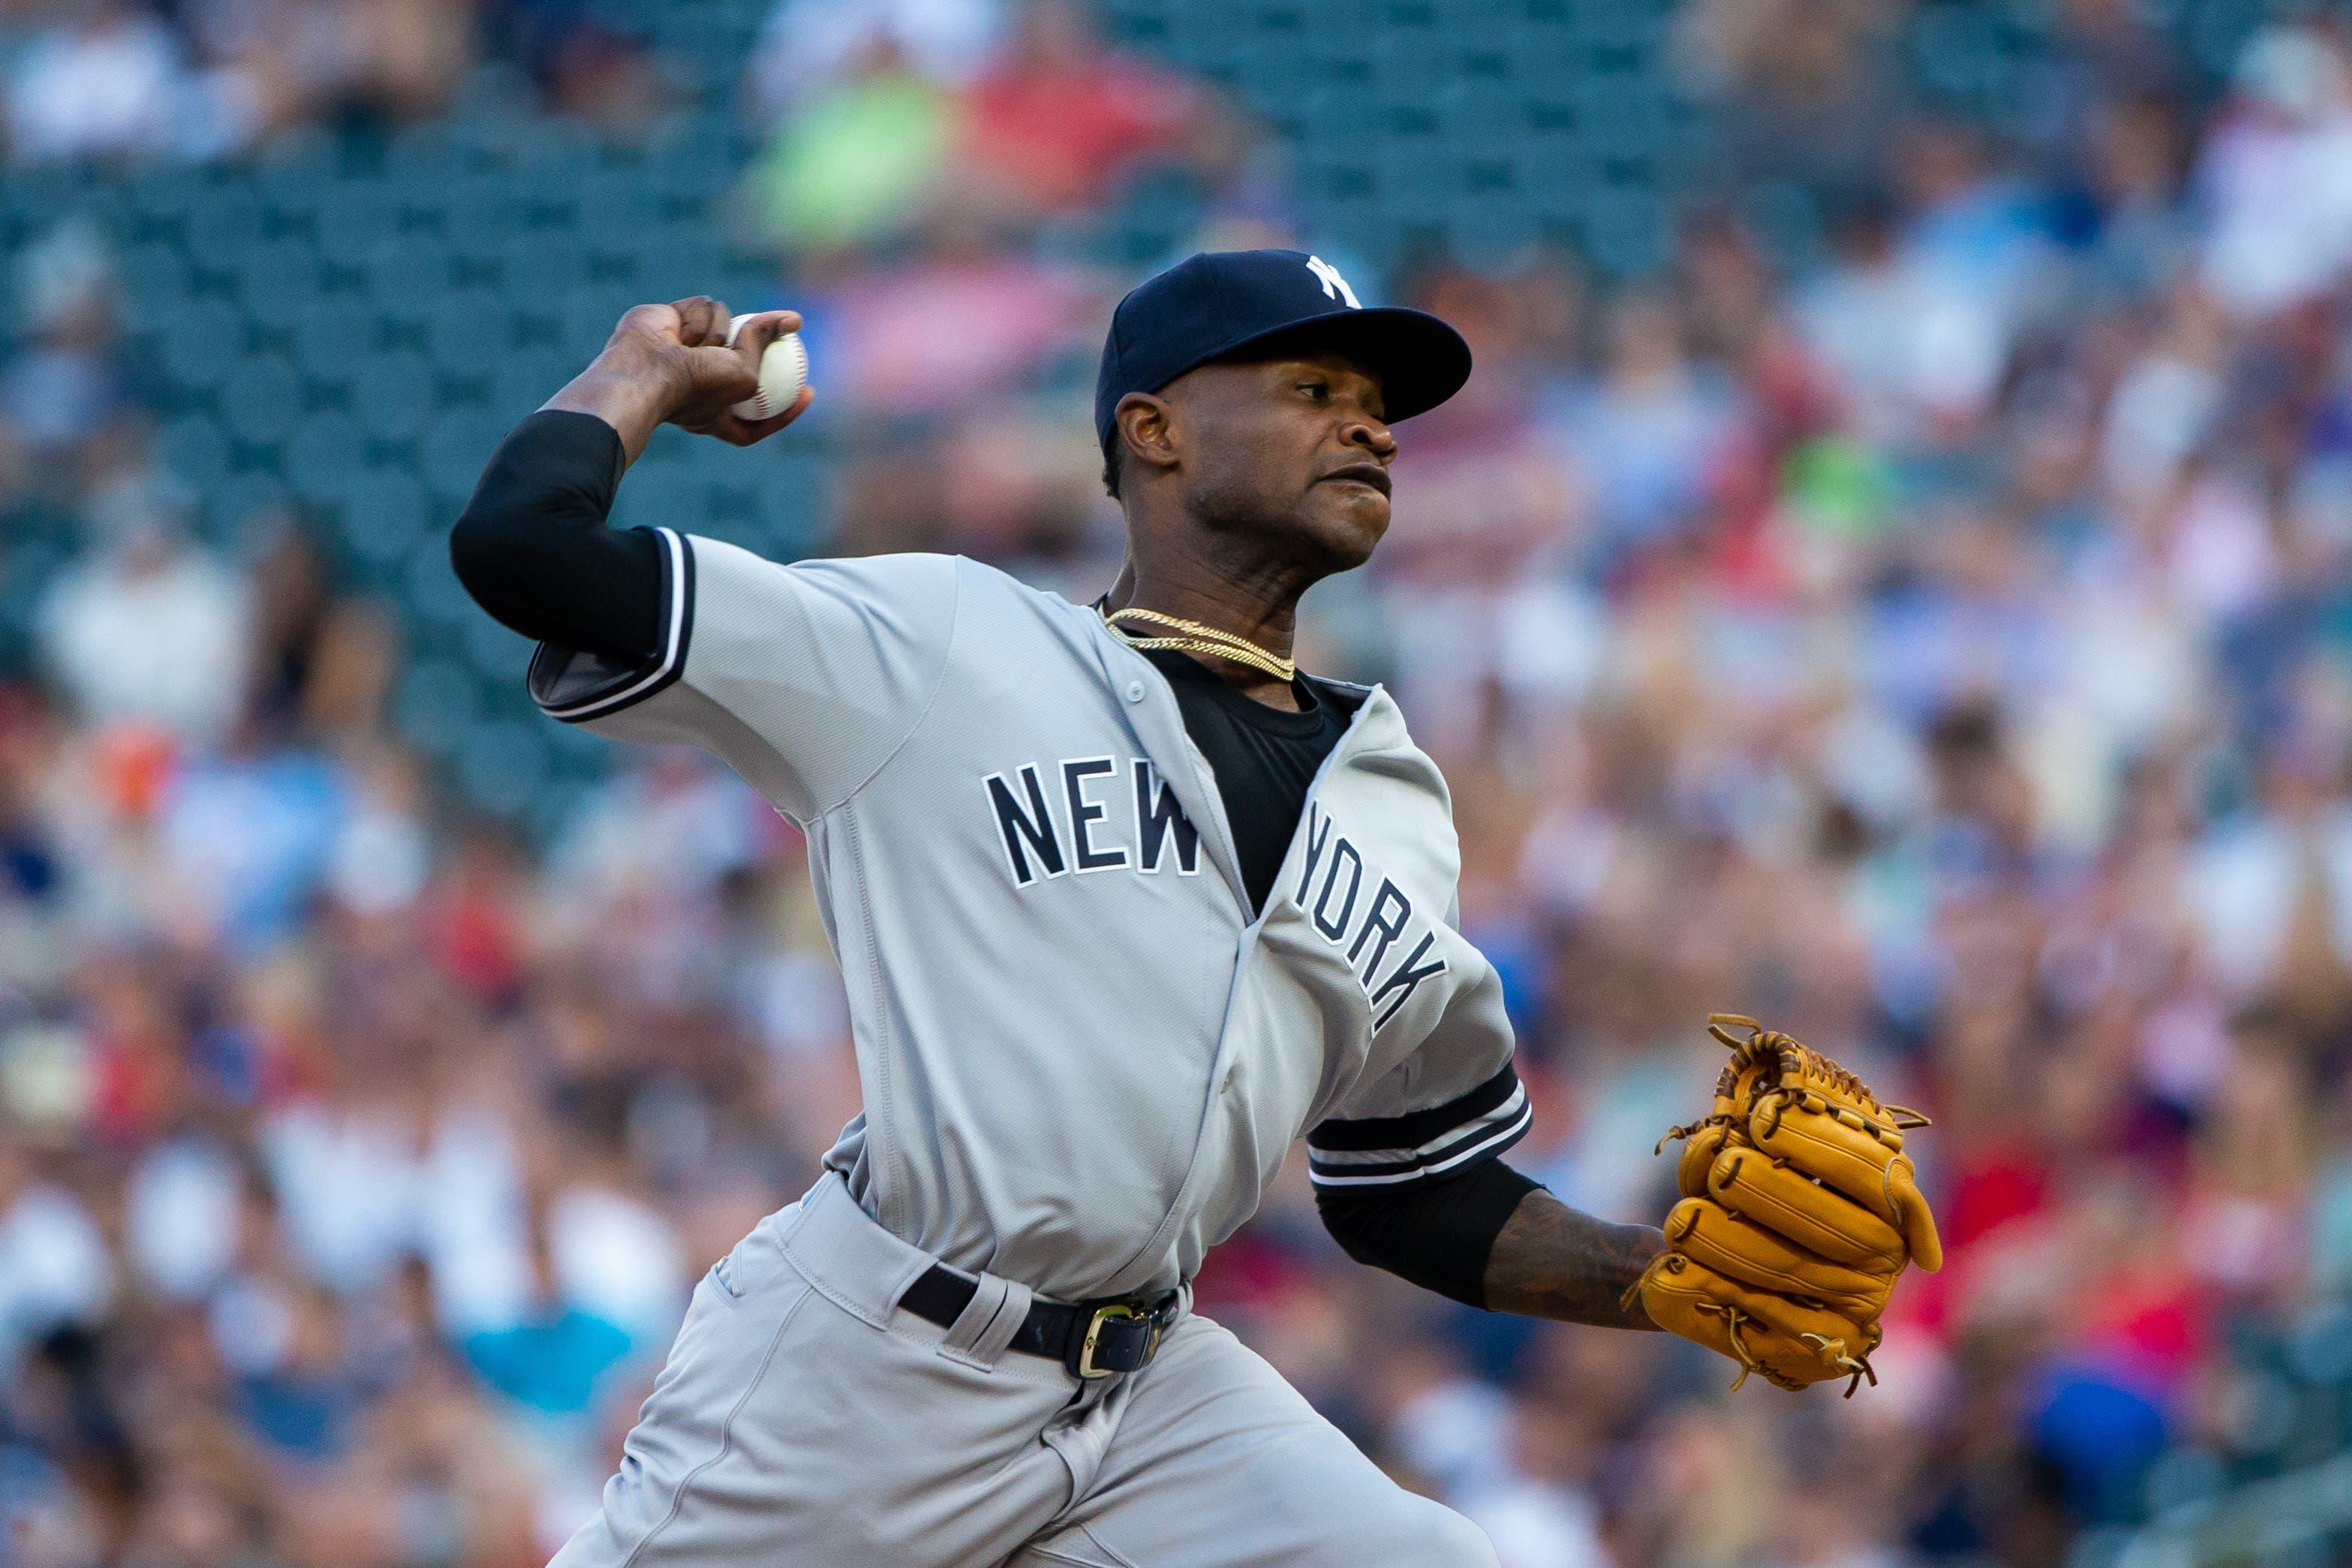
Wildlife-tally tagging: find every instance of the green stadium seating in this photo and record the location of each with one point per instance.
(201, 341)
(262, 400)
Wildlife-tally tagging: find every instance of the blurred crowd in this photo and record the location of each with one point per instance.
(1939, 644)
(190, 81)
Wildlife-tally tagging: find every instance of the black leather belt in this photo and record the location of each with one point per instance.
(1093, 1339)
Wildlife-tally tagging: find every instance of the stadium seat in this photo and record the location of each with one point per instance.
(455, 445)
(351, 218)
(280, 280)
(392, 394)
(262, 400)
(234, 506)
(322, 455)
(201, 341)
(435, 702)
(333, 335)
(195, 451)
(153, 272)
(223, 225)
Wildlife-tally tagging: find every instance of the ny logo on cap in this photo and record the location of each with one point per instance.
(1334, 286)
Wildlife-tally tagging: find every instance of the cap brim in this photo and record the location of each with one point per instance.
(1420, 360)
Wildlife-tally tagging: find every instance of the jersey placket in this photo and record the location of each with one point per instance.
(1158, 726)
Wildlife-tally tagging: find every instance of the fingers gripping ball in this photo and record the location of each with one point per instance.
(1799, 1210)
(783, 371)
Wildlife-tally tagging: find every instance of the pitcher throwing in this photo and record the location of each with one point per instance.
(1124, 903)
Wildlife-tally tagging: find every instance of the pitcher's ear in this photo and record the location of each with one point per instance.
(1148, 433)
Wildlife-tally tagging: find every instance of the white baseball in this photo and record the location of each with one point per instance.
(783, 371)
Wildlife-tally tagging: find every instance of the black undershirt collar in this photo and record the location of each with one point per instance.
(1264, 759)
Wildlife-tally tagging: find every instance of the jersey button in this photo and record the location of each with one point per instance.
(1135, 691)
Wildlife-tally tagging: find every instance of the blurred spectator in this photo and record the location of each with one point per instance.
(585, 61)
(855, 160)
(1647, 432)
(553, 1362)
(953, 329)
(104, 80)
(1057, 118)
(1876, 326)
(63, 384)
(1805, 83)
(152, 627)
(806, 45)
(301, 60)
(2278, 175)
(53, 1258)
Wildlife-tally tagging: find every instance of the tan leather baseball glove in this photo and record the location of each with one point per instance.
(1799, 1211)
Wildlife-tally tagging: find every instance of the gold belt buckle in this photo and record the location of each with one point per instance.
(1087, 1370)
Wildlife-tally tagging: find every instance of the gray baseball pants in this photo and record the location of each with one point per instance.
(802, 1421)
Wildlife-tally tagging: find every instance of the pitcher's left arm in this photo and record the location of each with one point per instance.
(1493, 1239)
(1420, 1189)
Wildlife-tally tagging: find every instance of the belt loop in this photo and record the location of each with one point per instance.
(998, 1337)
(984, 1329)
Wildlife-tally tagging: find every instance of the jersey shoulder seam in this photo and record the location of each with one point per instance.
(938, 685)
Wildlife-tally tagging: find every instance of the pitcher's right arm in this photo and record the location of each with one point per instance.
(805, 678)
(532, 547)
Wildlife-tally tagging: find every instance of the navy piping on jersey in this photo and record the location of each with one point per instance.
(610, 690)
(1423, 1145)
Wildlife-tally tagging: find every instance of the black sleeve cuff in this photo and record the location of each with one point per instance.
(1439, 1235)
(577, 686)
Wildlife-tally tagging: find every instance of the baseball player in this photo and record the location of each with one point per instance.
(1124, 903)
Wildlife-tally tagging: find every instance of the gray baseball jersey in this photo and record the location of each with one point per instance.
(1083, 1056)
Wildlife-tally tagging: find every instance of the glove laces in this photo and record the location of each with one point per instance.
(1799, 1060)
(1832, 1350)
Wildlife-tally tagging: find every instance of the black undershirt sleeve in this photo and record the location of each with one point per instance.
(1438, 1234)
(533, 549)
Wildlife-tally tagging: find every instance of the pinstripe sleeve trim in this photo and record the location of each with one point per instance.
(576, 687)
(1421, 1145)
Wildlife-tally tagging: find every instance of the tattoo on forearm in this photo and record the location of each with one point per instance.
(1551, 1261)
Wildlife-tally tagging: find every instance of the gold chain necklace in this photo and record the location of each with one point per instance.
(1192, 637)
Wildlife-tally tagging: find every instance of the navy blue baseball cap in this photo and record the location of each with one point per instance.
(1235, 304)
